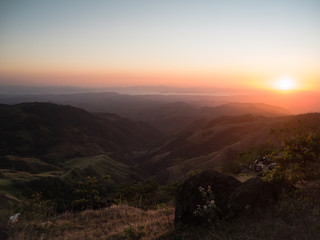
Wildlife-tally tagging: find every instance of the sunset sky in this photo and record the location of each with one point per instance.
(184, 43)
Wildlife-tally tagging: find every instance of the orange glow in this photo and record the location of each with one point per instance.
(127, 77)
(177, 76)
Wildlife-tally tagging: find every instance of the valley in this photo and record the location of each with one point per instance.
(48, 149)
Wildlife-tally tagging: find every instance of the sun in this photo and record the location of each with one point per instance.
(285, 84)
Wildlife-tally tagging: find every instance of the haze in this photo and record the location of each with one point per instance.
(182, 43)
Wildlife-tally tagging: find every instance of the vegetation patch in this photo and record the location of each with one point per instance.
(116, 222)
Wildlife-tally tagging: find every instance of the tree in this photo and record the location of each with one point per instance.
(298, 157)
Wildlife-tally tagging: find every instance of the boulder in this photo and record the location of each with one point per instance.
(232, 198)
(254, 195)
(3, 233)
(188, 195)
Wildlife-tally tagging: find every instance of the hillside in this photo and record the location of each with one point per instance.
(48, 148)
(77, 169)
(57, 132)
(213, 143)
(36, 133)
(52, 154)
(236, 108)
(173, 117)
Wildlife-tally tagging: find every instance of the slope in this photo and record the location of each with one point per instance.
(56, 132)
(97, 166)
(213, 143)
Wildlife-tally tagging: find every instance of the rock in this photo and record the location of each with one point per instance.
(188, 195)
(3, 233)
(254, 195)
(232, 198)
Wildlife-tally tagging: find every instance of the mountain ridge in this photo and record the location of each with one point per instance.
(213, 143)
(41, 129)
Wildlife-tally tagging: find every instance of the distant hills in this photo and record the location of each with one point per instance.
(54, 142)
(168, 114)
(55, 132)
(173, 117)
(46, 144)
(128, 100)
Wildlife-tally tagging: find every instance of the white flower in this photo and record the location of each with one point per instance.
(14, 218)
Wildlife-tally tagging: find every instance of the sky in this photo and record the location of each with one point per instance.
(183, 43)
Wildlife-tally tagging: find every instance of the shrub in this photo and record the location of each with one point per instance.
(139, 194)
(35, 208)
(298, 157)
(88, 194)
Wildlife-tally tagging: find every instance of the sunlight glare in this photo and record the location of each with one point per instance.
(285, 84)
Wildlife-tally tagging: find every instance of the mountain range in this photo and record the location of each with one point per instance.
(41, 139)
(168, 114)
(215, 143)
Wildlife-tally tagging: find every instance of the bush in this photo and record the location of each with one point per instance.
(54, 189)
(298, 157)
(35, 208)
(138, 194)
(88, 194)
(146, 194)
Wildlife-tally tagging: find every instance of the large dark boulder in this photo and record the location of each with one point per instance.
(188, 195)
(232, 198)
(255, 195)
(3, 233)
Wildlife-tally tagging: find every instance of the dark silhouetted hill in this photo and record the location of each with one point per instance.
(56, 132)
(169, 114)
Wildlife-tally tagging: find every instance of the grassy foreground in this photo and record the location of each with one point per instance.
(294, 217)
(116, 222)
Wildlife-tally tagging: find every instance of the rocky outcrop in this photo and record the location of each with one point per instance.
(3, 233)
(188, 195)
(232, 198)
(252, 195)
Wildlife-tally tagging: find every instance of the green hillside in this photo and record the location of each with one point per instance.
(98, 166)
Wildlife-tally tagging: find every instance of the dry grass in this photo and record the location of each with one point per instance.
(116, 222)
(295, 217)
